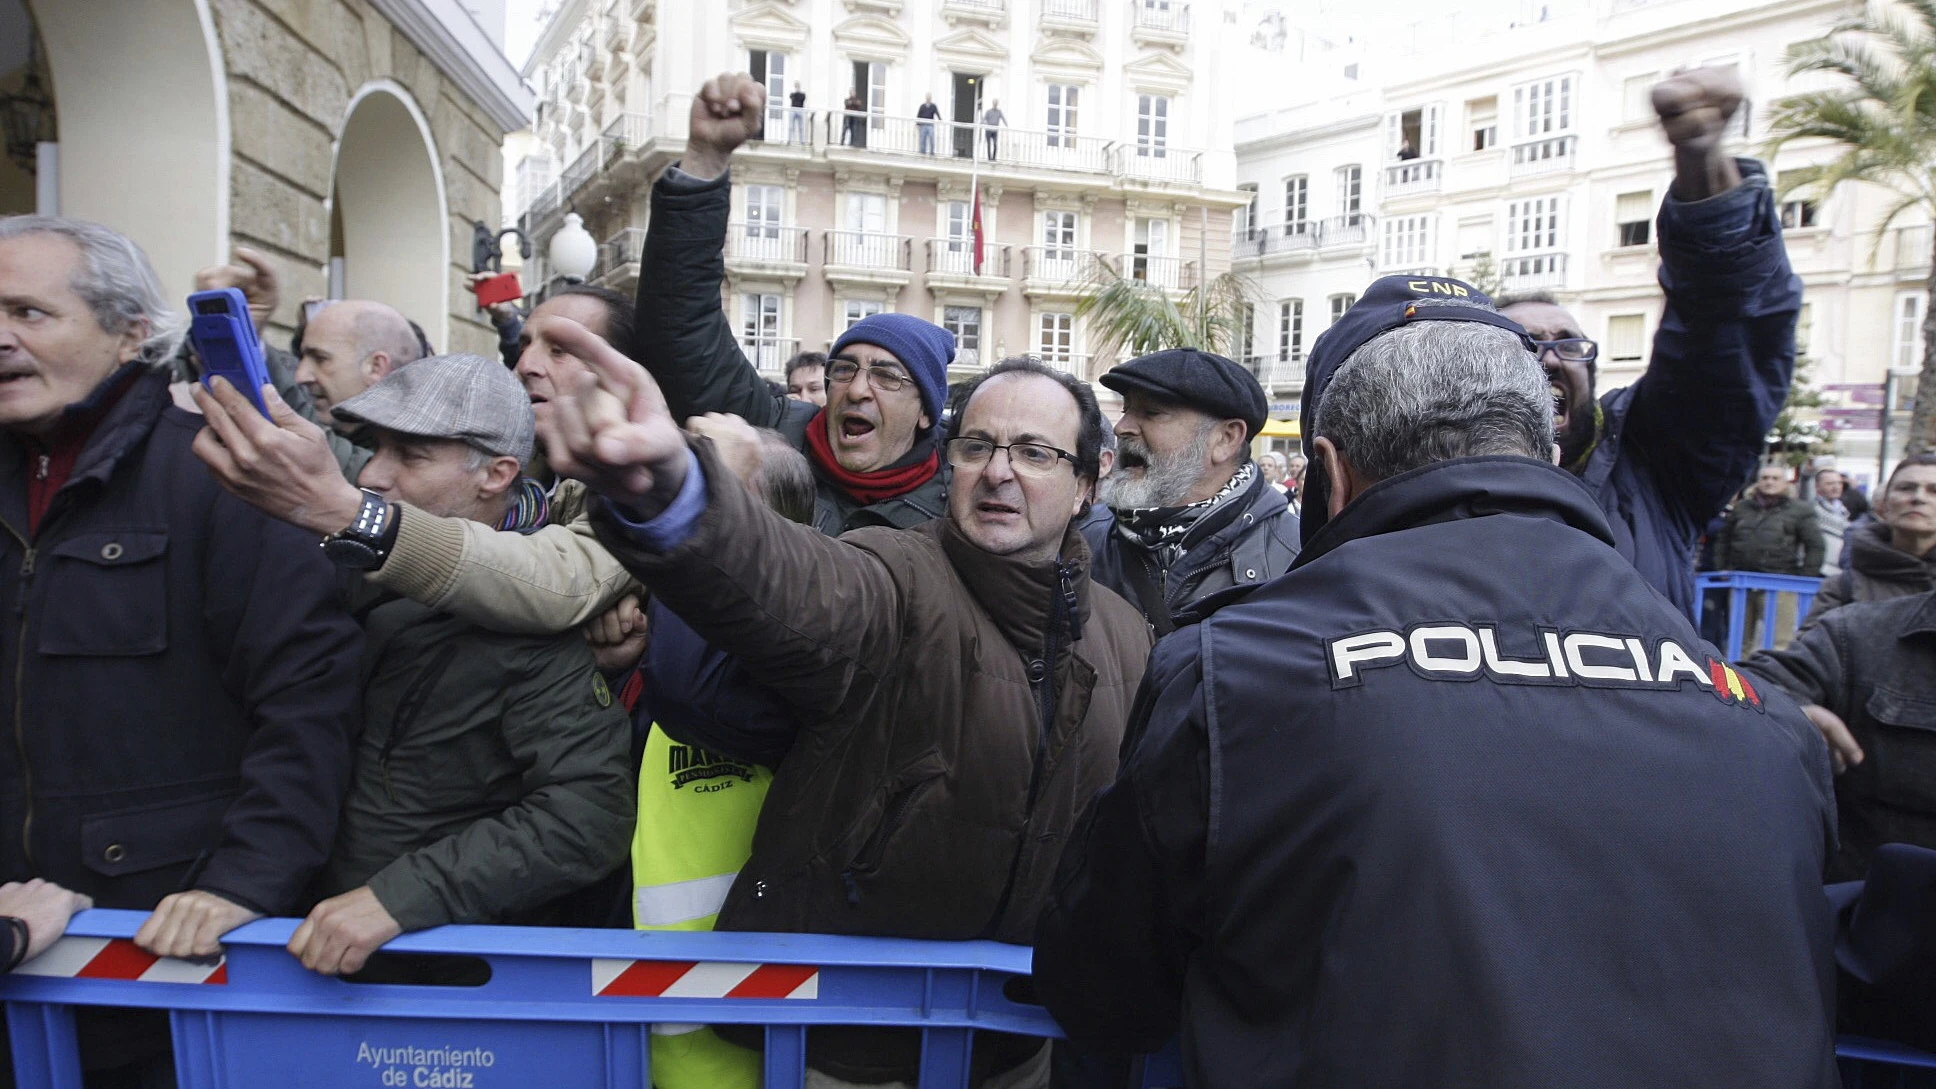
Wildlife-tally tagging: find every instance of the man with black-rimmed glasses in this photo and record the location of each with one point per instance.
(1664, 455)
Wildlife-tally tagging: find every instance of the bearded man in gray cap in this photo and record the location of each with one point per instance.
(1192, 514)
(491, 778)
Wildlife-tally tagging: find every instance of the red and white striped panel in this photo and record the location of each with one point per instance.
(118, 958)
(702, 979)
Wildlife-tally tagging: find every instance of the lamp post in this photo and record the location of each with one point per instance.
(572, 252)
(487, 250)
(25, 113)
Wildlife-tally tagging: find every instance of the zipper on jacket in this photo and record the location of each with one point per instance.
(1065, 611)
(410, 707)
(868, 859)
(20, 694)
(42, 466)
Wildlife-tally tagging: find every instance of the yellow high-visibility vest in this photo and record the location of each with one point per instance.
(697, 811)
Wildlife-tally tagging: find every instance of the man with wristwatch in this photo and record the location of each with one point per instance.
(491, 779)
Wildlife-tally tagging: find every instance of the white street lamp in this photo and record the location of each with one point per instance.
(572, 252)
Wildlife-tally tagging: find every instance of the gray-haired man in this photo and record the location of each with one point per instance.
(491, 777)
(1460, 749)
(180, 676)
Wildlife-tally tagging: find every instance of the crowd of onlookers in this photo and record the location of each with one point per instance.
(1396, 760)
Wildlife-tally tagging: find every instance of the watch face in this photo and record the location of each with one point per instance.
(350, 553)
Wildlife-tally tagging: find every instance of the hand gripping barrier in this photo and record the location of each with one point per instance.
(1737, 584)
(565, 1009)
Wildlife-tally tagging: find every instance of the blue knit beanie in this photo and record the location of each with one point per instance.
(923, 347)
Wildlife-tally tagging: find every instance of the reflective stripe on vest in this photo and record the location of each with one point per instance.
(655, 906)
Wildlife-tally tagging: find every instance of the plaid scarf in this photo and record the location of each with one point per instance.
(1162, 529)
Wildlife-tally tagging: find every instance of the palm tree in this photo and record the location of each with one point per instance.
(1134, 315)
(1883, 113)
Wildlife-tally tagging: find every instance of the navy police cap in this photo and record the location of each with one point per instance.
(1391, 301)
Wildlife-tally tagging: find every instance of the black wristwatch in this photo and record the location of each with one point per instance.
(365, 543)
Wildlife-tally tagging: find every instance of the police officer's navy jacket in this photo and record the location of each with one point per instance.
(1459, 801)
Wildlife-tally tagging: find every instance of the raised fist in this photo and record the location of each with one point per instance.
(726, 113)
(1696, 106)
(254, 276)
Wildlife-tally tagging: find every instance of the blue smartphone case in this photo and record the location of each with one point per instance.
(225, 339)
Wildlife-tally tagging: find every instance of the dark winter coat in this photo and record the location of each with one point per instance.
(1784, 539)
(1876, 571)
(1369, 833)
(1874, 665)
(1676, 444)
(686, 341)
(182, 678)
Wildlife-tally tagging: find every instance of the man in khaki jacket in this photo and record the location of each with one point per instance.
(960, 687)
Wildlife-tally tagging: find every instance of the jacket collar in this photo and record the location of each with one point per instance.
(126, 423)
(1462, 488)
(1923, 620)
(1024, 599)
(1872, 554)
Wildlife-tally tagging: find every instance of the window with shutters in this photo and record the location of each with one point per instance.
(1533, 225)
(1482, 122)
(1246, 332)
(1056, 337)
(1633, 214)
(1340, 304)
(1152, 125)
(1350, 181)
(1797, 209)
(1626, 337)
(853, 310)
(1543, 107)
(1290, 330)
(1408, 241)
(1637, 97)
(1297, 203)
(1059, 236)
(1907, 351)
(965, 323)
(1062, 114)
(1412, 134)
(1247, 222)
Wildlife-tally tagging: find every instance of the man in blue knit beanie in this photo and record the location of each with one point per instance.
(874, 447)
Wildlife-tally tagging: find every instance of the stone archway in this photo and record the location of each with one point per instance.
(390, 227)
(144, 126)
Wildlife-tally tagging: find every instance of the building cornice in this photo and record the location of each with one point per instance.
(1278, 141)
(464, 53)
(557, 30)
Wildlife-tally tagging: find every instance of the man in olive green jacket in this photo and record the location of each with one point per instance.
(493, 774)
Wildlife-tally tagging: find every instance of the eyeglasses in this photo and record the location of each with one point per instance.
(1572, 349)
(1026, 458)
(885, 379)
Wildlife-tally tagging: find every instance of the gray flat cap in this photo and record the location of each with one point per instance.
(461, 396)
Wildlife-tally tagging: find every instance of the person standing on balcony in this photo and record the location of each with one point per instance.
(854, 130)
(928, 114)
(1663, 455)
(874, 446)
(993, 121)
(797, 116)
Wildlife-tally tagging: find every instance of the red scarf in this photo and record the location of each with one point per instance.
(865, 488)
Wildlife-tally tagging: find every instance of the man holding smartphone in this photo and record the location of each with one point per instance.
(182, 678)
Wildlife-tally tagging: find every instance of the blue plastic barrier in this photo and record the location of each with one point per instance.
(263, 1020)
(565, 1009)
(1738, 584)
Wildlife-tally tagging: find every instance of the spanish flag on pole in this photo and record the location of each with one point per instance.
(974, 224)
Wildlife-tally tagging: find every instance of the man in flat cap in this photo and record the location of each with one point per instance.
(1192, 513)
(492, 779)
(1460, 799)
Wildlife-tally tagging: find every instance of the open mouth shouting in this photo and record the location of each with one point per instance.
(1561, 403)
(855, 428)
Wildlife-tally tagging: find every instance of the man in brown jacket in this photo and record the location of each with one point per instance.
(962, 685)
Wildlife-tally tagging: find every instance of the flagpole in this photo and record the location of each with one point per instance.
(974, 194)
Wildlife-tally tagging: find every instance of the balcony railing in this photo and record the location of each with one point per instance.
(1061, 264)
(1912, 247)
(1277, 370)
(867, 249)
(766, 242)
(622, 249)
(627, 132)
(1160, 15)
(956, 256)
(1066, 12)
(1159, 162)
(1414, 176)
(1076, 363)
(769, 353)
(1267, 238)
(974, 8)
(960, 140)
(1548, 156)
(1157, 270)
(1350, 229)
(1533, 271)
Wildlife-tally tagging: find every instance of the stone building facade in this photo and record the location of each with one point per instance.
(353, 141)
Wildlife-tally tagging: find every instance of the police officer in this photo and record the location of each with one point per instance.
(1459, 800)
